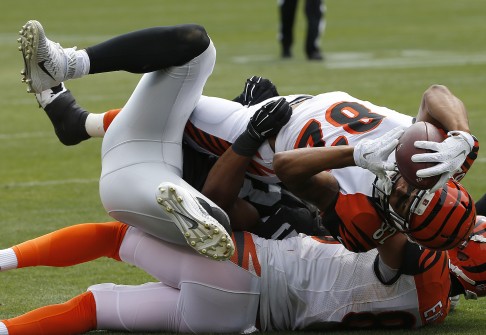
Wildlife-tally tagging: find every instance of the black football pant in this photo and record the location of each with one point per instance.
(314, 13)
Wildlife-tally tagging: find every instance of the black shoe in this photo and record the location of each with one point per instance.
(67, 117)
(316, 55)
(286, 53)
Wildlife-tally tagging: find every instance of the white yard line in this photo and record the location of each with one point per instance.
(18, 136)
(49, 183)
(382, 59)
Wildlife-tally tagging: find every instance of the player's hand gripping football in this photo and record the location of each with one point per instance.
(257, 89)
(448, 154)
(373, 155)
(266, 122)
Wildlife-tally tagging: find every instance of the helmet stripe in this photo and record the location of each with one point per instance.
(475, 269)
(438, 205)
(452, 238)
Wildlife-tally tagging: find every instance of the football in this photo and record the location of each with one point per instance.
(419, 131)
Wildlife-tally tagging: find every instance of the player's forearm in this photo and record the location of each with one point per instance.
(443, 109)
(301, 164)
(392, 251)
(223, 185)
(225, 179)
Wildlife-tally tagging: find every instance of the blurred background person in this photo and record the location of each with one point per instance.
(315, 13)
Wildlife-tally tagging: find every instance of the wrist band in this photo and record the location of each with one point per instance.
(246, 145)
(465, 135)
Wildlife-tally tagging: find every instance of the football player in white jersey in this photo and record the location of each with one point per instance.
(300, 283)
(335, 122)
(330, 120)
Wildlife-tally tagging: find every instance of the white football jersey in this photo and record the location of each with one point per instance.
(328, 119)
(337, 118)
(309, 283)
(300, 283)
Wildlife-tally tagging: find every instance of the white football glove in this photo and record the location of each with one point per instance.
(448, 154)
(373, 155)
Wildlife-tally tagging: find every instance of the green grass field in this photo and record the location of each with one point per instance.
(385, 51)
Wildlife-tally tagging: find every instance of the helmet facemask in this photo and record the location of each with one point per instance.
(439, 221)
(387, 212)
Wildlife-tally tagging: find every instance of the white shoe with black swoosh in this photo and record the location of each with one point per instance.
(46, 64)
(201, 230)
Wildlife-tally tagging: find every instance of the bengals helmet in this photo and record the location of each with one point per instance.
(438, 221)
(468, 261)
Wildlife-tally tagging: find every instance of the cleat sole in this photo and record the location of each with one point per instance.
(201, 231)
(29, 40)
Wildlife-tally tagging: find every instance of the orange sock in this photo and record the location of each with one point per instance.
(72, 245)
(109, 116)
(75, 316)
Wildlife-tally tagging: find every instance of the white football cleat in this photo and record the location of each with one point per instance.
(46, 64)
(201, 231)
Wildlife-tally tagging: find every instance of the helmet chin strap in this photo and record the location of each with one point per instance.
(458, 272)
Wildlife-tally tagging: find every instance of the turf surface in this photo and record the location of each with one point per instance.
(384, 51)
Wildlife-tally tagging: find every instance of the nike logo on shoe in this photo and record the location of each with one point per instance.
(193, 222)
(43, 68)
